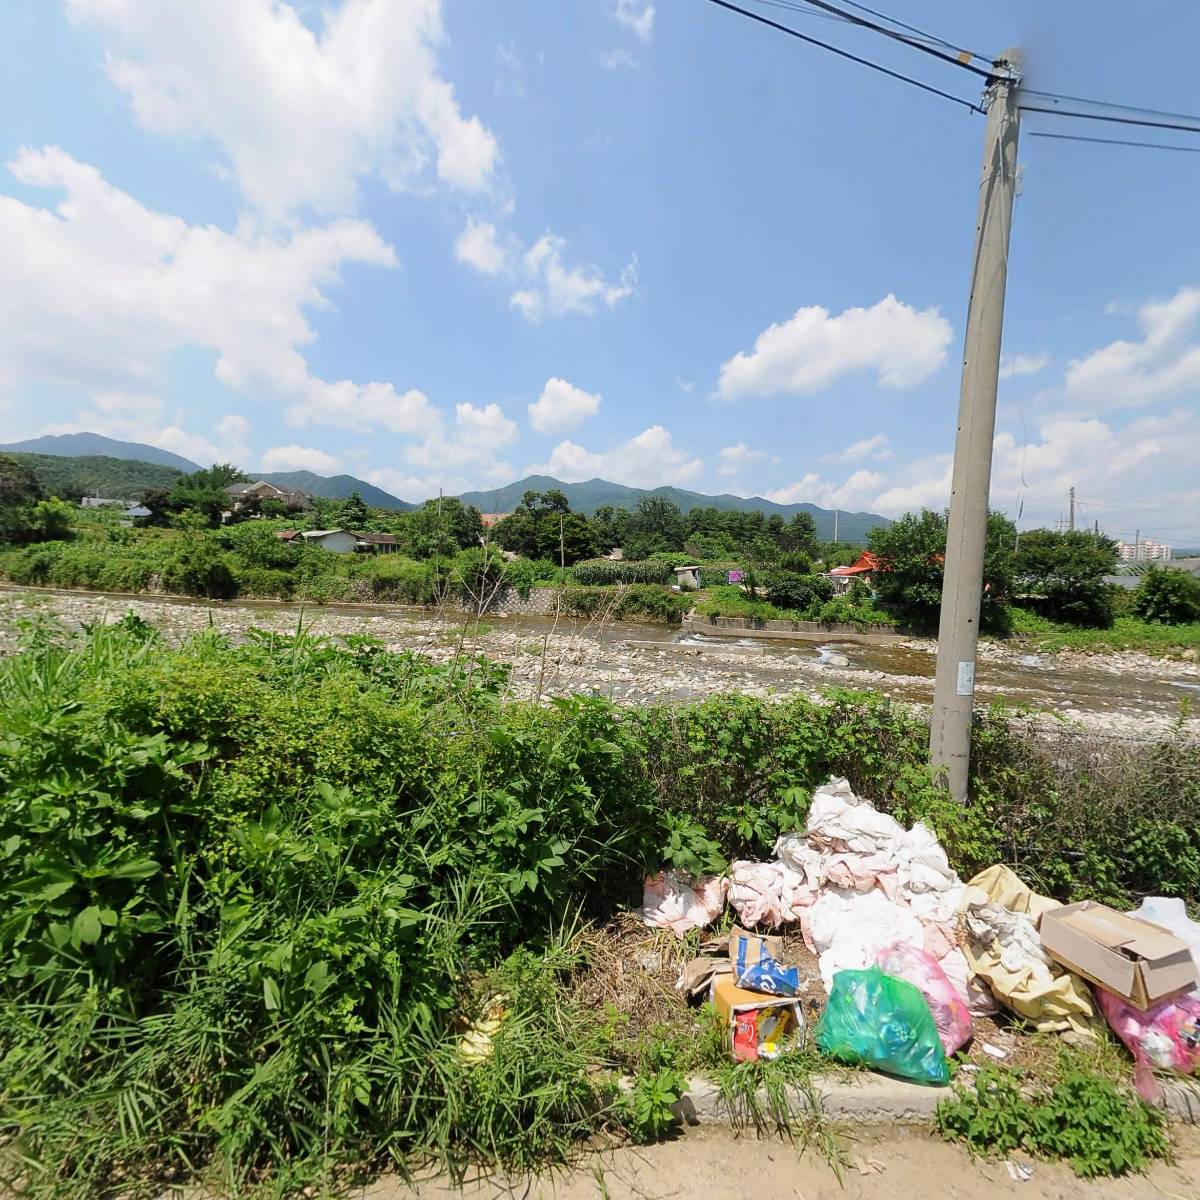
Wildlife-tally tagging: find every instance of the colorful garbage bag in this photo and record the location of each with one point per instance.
(950, 1014)
(1165, 1035)
(879, 1021)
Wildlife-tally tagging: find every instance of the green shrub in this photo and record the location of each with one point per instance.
(603, 572)
(1167, 597)
(1098, 1127)
(265, 583)
(802, 593)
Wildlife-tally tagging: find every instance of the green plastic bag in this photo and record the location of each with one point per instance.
(883, 1022)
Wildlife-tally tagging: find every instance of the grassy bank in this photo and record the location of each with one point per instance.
(1127, 633)
(253, 896)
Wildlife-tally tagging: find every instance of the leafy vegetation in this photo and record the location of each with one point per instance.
(1167, 597)
(1125, 633)
(1097, 1125)
(256, 896)
(71, 478)
(1061, 575)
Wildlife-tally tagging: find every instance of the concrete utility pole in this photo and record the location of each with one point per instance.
(1072, 510)
(962, 587)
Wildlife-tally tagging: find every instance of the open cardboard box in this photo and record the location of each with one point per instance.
(1141, 962)
(760, 1026)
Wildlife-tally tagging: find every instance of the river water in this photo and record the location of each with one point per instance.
(1122, 693)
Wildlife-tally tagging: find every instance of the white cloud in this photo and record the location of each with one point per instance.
(473, 440)
(812, 350)
(1114, 468)
(875, 448)
(637, 15)
(562, 406)
(478, 247)
(300, 117)
(684, 385)
(734, 458)
(617, 60)
(300, 458)
(556, 290)
(143, 418)
(1013, 365)
(100, 292)
(812, 489)
(650, 459)
(1166, 362)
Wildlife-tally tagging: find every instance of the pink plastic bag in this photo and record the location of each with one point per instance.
(915, 966)
(1167, 1034)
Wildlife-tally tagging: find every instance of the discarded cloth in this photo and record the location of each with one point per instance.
(1002, 947)
(769, 893)
(673, 900)
(923, 971)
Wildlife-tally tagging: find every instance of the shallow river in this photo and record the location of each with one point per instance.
(1120, 693)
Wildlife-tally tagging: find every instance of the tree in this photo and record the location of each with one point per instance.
(204, 491)
(19, 492)
(543, 526)
(911, 552)
(655, 525)
(801, 533)
(354, 511)
(1168, 597)
(1062, 573)
(441, 527)
(786, 589)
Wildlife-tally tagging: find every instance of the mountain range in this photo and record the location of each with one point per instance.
(335, 487)
(90, 473)
(72, 445)
(592, 494)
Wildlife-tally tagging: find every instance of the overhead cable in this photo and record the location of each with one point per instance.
(866, 62)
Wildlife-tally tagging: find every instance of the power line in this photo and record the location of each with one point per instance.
(924, 46)
(913, 29)
(1133, 108)
(1054, 112)
(865, 62)
(1074, 137)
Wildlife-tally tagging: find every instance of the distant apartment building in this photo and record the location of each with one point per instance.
(1144, 550)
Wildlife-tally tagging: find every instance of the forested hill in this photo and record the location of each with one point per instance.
(596, 493)
(97, 474)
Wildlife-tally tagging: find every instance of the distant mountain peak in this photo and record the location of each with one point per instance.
(76, 445)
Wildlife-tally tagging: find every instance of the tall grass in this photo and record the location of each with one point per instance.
(252, 896)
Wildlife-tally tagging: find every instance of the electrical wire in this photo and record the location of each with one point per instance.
(866, 62)
(921, 40)
(896, 36)
(1054, 112)
(1074, 137)
(1132, 108)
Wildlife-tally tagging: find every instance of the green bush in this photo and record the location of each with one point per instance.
(1167, 597)
(264, 583)
(1097, 1126)
(522, 573)
(602, 572)
(803, 594)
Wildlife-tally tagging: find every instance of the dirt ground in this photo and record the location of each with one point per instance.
(712, 1164)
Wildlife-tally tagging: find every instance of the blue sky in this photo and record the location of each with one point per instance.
(440, 244)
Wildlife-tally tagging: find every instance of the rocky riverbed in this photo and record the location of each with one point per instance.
(1122, 695)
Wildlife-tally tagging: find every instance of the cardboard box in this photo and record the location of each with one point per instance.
(760, 1026)
(1131, 958)
(754, 960)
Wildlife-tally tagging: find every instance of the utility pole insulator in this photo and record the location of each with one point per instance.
(962, 587)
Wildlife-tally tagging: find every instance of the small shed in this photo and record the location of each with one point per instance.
(688, 578)
(336, 541)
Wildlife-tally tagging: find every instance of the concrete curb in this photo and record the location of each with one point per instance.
(877, 1100)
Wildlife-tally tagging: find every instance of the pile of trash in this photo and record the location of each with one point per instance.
(908, 952)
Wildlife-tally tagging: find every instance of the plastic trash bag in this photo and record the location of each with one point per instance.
(1166, 1035)
(879, 1021)
(922, 970)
